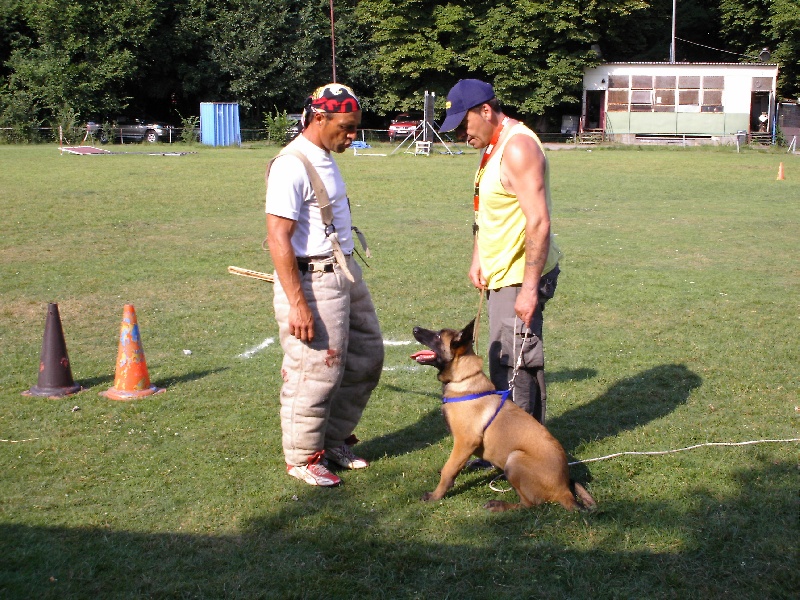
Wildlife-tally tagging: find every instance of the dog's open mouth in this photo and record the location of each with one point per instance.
(424, 357)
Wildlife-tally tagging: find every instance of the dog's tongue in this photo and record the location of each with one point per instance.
(423, 356)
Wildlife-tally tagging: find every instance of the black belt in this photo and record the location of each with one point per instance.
(314, 267)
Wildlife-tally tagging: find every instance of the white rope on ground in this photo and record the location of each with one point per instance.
(658, 452)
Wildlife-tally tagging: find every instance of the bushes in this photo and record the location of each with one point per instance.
(277, 126)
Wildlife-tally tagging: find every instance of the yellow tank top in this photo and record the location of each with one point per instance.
(501, 233)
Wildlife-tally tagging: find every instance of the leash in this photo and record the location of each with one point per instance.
(503, 397)
(518, 364)
(475, 329)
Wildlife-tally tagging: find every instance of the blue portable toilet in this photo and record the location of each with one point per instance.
(219, 124)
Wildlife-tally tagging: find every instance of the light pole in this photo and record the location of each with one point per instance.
(672, 45)
(333, 44)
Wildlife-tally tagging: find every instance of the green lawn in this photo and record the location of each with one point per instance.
(675, 323)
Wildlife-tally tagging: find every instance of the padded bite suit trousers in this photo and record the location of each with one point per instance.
(327, 383)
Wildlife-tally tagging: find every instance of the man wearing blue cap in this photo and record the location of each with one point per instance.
(515, 258)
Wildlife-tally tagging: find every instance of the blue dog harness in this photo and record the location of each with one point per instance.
(503, 397)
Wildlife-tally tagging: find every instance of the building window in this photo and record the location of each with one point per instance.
(689, 82)
(665, 93)
(689, 97)
(665, 82)
(618, 93)
(619, 81)
(713, 87)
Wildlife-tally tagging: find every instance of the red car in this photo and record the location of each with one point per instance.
(402, 125)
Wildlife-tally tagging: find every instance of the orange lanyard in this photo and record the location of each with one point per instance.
(485, 159)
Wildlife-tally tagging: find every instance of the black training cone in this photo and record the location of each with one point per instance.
(55, 375)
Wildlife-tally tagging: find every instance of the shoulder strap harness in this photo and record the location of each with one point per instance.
(324, 203)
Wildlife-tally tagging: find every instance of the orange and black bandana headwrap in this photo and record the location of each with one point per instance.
(334, 98)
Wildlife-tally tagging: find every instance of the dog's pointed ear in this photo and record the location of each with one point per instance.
(465, 336)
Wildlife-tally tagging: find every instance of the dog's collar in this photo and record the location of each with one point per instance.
(446, 400)
(503, 397)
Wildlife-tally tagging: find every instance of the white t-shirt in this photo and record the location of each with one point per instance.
(290, 195)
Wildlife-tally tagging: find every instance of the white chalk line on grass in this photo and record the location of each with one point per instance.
(269, 341)
(414, 367)
(256, 349)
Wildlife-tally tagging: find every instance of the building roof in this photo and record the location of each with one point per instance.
(689, 64)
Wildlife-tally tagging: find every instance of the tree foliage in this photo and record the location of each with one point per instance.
(64, 59)
(72, 55)
(751, 25)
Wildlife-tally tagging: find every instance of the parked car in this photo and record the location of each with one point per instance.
(402, 125)
(128, 129)
(295, 128)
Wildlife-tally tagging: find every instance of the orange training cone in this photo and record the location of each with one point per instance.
(131, 380)
(55, 375)
(780, 173)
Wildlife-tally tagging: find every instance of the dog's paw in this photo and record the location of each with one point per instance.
(428, 496)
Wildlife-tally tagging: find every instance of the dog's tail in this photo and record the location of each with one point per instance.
(584, 498)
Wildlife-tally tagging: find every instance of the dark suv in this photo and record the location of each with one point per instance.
(126, 129)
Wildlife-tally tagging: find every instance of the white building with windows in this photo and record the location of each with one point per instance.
(702, 102)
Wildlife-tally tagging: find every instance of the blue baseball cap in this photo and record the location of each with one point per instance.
(466, 94)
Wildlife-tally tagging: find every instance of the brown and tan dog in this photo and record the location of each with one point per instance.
(484, 424)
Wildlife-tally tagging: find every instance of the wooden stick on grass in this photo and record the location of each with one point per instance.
(252, 274)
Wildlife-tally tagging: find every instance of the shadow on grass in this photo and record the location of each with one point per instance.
(422, 433)
(629, 403)
(740, 545)
(187, 377)
(90, 382)
(570, 375)
(105, 380)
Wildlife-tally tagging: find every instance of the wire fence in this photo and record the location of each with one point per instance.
(78, 135)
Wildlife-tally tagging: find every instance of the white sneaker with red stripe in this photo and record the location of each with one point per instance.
(344, 457)
(314, 472)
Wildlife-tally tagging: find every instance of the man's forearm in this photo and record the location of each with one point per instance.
(284, 259)
(537, 247)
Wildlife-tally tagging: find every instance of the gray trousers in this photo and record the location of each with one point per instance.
(508, 339)
(327, 383)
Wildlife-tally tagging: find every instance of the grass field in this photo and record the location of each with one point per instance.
(675, 323)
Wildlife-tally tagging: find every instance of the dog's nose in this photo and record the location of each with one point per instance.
(415, 330)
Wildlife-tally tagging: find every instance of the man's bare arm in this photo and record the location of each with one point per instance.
(523, 173)
(279, 238)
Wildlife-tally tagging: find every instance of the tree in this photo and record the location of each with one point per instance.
(751, 25)
(533, 52)
(416, 45)
(74, 56)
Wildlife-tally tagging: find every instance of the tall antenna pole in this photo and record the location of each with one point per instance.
(672, 45)
(333, 44)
